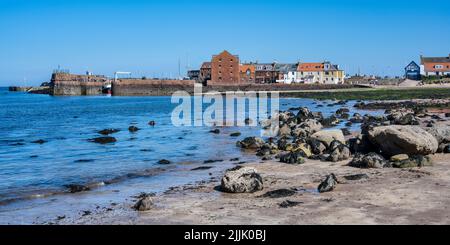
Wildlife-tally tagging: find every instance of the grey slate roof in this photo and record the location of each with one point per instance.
(435, 59)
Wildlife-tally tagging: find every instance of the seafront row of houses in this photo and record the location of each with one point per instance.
(226, 68)
(429, 67)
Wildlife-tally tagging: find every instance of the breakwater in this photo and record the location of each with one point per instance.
(137, 87)
(150, 87)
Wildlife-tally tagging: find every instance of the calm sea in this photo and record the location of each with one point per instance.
(67, 157)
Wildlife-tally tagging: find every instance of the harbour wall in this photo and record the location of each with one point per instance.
(76, 88)
(76, 85)
(65, 84)
(150, 87)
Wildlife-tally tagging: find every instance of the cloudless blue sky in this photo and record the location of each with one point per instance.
(149, 37)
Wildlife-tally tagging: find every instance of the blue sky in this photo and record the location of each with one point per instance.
(149, 37)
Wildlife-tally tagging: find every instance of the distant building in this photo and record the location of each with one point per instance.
(435, 66)
(287, 73)
(266, 73)
(247, 73)
(205, 73)
(225, 69)
(323, 73)
(194, 75)
(412, 71)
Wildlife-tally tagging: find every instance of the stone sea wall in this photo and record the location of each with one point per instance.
(139, 87)
(76, 88)
(75, 85)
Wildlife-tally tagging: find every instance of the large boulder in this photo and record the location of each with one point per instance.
(303, 114)
(252, 143)
(370, 160)
(311, 125)
(328, 136)
(292, 158)
(241, 180)
(339, 152)
(285, 131)
(441, 133)
(396, 139)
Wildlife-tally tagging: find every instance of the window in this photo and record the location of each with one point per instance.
(248, 72)
(438, 66)
(220, 78)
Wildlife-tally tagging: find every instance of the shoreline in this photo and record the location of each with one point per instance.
(174, 202)
(388, 196)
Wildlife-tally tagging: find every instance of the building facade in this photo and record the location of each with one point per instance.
(435, 66)
(194, 75)
(287, 73)
(265, 73)
(323, 73)
(412, 71)
(247, 73)
(225, 69)
(205, 73)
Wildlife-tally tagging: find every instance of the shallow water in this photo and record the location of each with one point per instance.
(67, 157)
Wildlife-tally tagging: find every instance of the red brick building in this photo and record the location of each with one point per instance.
(225, 69)
(247, 73)
(205, 72)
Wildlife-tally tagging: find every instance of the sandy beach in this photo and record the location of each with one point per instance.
(387, 196)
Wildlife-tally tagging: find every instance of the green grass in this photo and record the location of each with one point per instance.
(374, 94)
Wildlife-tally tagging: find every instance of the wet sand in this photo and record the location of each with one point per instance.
(388, 196)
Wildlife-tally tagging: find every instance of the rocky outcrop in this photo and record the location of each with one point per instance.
(412, 162)
(371, 160)
(252, 143)
(241, 180)
(144, 203)
(329, 184)
(103, 140)
(328, 136)
(292, 158)
(73, 188)
(108, 131)
(338, 152)
(396, 139)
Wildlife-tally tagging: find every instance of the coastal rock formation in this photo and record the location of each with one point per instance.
(241, 180)
(292, 158)
(339, 152)
(411, 140)
(145, 203)
(317, 147)
(133, 129)
(412, 162)
(441, 133)
(371, 160)
(329, 184)
(252, 143)
(103, 140)
(328, 136)
(108, 131)
(73, 188)
(236, 134)
(164, 162)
